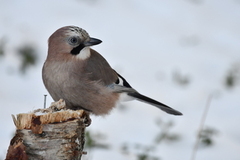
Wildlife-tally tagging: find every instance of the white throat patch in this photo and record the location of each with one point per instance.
(84, 53)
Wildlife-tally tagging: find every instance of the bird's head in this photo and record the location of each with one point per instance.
(71, 41)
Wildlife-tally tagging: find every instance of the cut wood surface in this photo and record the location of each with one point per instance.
(54, 133)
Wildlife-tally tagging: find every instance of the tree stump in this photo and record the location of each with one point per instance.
(49, 134)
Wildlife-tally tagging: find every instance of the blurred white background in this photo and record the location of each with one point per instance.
(178, 52)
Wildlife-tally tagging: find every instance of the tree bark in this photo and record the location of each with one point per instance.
(56, 134)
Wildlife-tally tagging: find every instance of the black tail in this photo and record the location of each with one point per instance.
(155, 103)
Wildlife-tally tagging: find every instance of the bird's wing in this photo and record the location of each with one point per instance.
(123, 86)
(99, 70)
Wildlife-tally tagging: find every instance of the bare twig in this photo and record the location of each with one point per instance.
(204, 116)
(45, 98)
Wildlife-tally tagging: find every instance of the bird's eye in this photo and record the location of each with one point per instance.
(73, 40)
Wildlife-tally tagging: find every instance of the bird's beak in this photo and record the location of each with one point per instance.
(92, 41)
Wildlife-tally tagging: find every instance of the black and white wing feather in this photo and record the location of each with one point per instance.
(122, 86)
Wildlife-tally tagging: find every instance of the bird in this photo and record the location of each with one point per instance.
(83, 78)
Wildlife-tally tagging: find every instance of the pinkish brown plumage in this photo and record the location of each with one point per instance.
(82, 77)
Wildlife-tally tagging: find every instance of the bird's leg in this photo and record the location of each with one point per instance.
(87, 120)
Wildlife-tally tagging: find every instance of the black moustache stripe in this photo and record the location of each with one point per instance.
(77, 49)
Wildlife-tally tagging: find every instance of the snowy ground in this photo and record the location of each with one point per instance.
(146, 41)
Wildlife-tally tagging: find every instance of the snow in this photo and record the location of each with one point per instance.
(146, 42)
